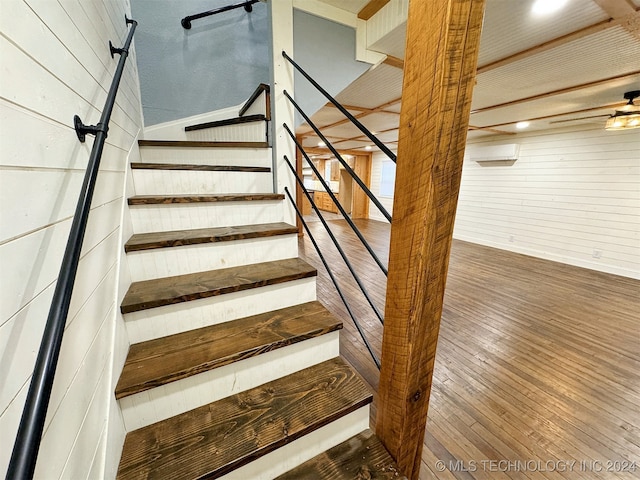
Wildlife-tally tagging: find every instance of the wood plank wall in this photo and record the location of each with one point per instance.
(56, 63)
(572, 191)
(569, 194)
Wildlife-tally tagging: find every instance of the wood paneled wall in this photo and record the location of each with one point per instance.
(570, 197)
(572, 191)
(56, 63)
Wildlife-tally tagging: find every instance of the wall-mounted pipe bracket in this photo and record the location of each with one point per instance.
(83, 130)
(115, 50)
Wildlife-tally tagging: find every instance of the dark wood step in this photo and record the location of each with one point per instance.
(192, 286)
(199, 168)
(165, 360)
(362, 456)
(226, 122)
(200, 144)
(215, 439)
(263, 87)
(176, 238)
(190, 198)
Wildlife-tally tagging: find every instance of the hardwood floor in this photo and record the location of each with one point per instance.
(538, 362)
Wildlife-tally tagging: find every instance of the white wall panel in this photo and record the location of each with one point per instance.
(376, 177)
(55, 64)
(573, 196)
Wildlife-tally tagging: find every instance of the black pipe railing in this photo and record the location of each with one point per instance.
(344, 111)
(363, 289)
(248, 6)
(27, 443)
(337, 203)
(336, 154)
(375, 358)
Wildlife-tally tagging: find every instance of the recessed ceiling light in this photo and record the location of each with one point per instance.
(521, 125)
(321, 144)
(544, 7)
(368, 147)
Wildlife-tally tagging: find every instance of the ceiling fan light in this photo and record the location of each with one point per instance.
(623, 121)
(626, 117)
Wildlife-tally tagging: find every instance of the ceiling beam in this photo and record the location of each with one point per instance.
(369, 111)
(611, 106)
(624, 13)
(394, 62)
(489, 129)
(325, 151)
(555, 92)
(371, 8)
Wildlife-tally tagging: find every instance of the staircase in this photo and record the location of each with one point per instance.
(234, 368)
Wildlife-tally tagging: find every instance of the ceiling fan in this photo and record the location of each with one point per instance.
(625, 117)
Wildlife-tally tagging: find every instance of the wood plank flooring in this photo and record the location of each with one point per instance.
(538, 363)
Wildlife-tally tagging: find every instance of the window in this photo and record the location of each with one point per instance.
(387, 179)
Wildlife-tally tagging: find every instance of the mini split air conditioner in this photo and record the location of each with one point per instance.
(495, 153)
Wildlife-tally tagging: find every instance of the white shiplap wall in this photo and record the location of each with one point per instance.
(56, 63)
(573, 195)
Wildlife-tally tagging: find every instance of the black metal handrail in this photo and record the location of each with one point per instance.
(346, 112)
(27, 443)
(337, 203)
(248, 6)
(363, 289)
(336, 154)
(375, 358)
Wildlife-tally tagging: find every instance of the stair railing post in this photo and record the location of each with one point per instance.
(281, 15)
(442, 43)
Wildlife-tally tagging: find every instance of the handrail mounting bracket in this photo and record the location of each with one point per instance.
(82, 130)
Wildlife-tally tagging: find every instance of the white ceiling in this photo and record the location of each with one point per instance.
(572, 66)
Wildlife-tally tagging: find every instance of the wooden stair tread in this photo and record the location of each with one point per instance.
(199, 168)
(183, 288)
(167, 359)
(200, 144)
(217, 438)
(226, 122)
(190, 198)
(175, 238)
(362, 456)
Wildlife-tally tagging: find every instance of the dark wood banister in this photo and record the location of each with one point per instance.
(241, 118)
(263, 87)
(25, 449)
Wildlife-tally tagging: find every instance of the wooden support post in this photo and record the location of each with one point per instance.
(443, 37)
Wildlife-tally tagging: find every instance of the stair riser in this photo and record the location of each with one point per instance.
(181, 317)
(182, 216)
(250, 157)
(246, 132)
(299, 451)
(162, 402)
(167, 262)
(178, 182)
